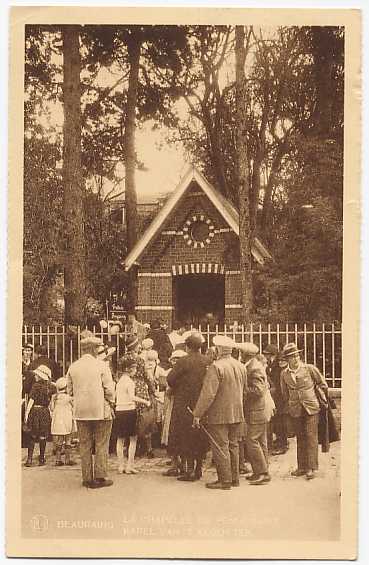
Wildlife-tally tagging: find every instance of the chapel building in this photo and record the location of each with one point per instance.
(188, 259)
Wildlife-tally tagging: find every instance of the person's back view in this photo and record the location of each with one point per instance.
(162, 343)
(91, 385)
(220, 401)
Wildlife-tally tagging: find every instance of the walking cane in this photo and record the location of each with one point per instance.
(209, 435)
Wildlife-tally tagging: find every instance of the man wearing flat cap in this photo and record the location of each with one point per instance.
(221, 402)
(299, 382)
(90, 383)
(255, 414)
(185, 380)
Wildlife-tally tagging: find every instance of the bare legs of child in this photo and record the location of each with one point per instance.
(129, 468)
(120, 454)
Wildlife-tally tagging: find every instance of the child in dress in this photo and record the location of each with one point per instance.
(62, 422)
(126, 414)
(146, 347)
(37, 415)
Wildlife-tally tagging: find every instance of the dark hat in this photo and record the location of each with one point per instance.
(194, 341)
(131, 341)
(290, 349)
(271, 349)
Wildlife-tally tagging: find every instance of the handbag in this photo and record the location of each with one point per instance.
(146, 422)
(321, 397)
(25, 428)
(320, 393)
(269, 405)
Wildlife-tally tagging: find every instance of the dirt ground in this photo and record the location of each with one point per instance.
(149, 505)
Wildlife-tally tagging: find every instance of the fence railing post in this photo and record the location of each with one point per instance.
(312, 339)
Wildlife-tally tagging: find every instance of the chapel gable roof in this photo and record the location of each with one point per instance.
(224, 207)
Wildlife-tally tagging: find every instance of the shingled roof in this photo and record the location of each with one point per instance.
(224, 207)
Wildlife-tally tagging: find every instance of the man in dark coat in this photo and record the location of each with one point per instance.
(185, 380)
(278, 423)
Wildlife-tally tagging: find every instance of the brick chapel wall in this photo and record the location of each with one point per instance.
(166, 250)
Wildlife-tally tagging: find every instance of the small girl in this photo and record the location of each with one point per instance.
(147, 345)
(62, 422)
(37, 415)
(126, 414)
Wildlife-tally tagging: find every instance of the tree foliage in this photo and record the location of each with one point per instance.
(293, 125)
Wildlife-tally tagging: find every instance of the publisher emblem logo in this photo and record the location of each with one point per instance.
(39, 523)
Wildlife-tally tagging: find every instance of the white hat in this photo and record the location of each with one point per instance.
(61, 383)
(224, 341)
(188, 333)
(105, 352)
(248, 348)
(88, 338)
(147, 343)
(177, 354)
(43, 372)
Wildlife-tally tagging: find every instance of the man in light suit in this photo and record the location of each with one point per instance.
(91, 385)
(220, 401)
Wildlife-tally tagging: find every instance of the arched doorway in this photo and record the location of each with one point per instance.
(198, 298)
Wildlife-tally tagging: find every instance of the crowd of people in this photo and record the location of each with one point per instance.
(174, 391)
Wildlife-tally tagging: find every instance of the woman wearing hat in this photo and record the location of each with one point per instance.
(186, 380)
(299, 382)
(175, 463)
(143, 389)
(37, 416)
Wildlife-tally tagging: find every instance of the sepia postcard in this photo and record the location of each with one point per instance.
(183, 283)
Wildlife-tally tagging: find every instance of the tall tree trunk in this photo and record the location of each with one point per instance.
(266, 226)
(243, 176)
(323, 64)
(215, 151)
(255, 190)
(74, 258)
(134, 49)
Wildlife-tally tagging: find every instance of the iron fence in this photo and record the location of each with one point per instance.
(321, 343)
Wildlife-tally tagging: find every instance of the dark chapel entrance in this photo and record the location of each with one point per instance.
(199, 299)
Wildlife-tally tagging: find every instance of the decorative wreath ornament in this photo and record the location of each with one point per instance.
(198, 231)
